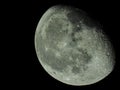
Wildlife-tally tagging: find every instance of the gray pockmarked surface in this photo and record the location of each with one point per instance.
(72, 47)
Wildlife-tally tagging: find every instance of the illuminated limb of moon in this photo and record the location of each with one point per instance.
(72, 50)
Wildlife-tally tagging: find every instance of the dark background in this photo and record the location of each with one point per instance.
(107, 13)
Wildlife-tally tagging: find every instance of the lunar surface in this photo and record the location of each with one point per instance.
(72, 47)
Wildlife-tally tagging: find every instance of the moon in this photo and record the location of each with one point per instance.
(72, 47)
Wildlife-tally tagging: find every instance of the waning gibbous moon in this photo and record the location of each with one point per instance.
(72, 47)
